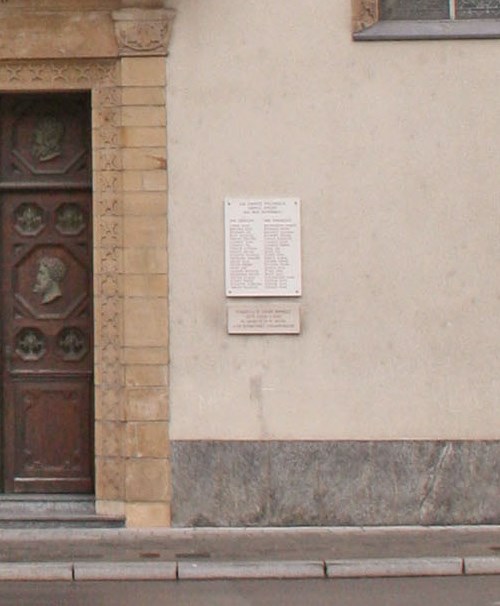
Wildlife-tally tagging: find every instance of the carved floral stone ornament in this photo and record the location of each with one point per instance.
(143, 31)
(365, 14)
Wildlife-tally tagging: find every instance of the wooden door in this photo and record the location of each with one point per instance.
(46, 306)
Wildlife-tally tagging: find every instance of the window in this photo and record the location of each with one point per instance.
(439, 9)
(426, 19)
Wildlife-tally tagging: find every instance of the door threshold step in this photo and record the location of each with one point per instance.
(19, 511)
(42, 504)
(50, 520)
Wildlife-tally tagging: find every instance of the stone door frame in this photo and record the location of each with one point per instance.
(126, 80)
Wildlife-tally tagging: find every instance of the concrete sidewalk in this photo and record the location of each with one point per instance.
(215, 553)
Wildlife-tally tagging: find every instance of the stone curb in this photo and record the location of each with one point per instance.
(128, 535)
(36, 571)
(277, 569)
(251, 570)
(125, 571)
(394, 567)
(482, 565)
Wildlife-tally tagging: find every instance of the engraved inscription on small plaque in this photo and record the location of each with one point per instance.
(414, 9)
(263, 318)
(478, 9)
(262, 239)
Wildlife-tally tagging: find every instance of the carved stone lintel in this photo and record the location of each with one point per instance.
(66, 74)
(143, 31)
(364, 14)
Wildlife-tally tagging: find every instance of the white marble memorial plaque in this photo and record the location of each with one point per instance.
(262, 247)
(263, 318)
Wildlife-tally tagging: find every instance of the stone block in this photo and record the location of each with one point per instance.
(143, 71)
(145, 261)
(155, 180)
(143, 95)
(145, 180)
(143, 116)
(145, 286)
(125, 571)
(39, 571)
(146, 355)
(297, 491)
(220, 483)
(145, 158)
(144, 137)
(108, 438)
(147, 404)
(145, 322)
(147, 515)
(109, 478)
(110, 508)
(89, 35)
(147, 480)
(482, 565)
(143, 231)
(108, 232)
(138, 375)
(147, 203)
(250, 570)
(147, 439)
(394, 567)
(109, 403)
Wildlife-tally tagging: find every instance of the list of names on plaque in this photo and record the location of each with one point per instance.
(262, 247)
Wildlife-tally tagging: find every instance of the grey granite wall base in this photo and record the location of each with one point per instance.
(347, 483)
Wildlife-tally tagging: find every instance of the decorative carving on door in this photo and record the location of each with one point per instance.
(70, 219)
(51, 272)
(47, 292)
(30, 344)
(72, 344)
(29, 219)
(47, 138)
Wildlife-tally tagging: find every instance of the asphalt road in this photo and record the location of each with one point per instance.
(430, 591)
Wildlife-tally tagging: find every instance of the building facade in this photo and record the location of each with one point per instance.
(127, 128)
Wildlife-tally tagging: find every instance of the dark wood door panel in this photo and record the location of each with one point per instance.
(48, 277)
(46, 303)
(51, 436)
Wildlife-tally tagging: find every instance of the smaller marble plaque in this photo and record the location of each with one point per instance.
(263, 318)
(478, 9)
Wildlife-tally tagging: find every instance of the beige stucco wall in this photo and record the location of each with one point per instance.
(393, 149)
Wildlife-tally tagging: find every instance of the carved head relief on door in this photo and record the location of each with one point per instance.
(50, 282)
(51, 272)
(47, 138)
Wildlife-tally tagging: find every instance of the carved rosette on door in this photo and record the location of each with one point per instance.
(47, 293)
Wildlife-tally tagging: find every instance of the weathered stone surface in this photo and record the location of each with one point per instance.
(220, 483)
(72, 35)
(280, 483)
